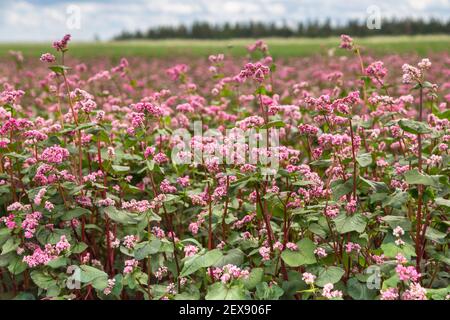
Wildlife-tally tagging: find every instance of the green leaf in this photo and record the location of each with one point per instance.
(437, 294)
(394, 221)
(118, 286)
(15, 155)
(10, 245)
(325, 163)
(121, 216)
(444, 115)
(94, 276)
(441, 257)
(42, 280)
(413, 126)
(59, 69)
(150, 165)
(198, 261)
(191, 293)
(45, 235)
(360, 291)
(391, 282)
(86, 125)
(78, 247)
(442, 202)
(390, 250)
(264, 292)
(416, 177)
(24, 296)
(120, 169)
(434, 235)
(364, 159)
(4, 233)
(234, 256)
(74, 213)
(219, 291)
(340, 188)
(329, 275)
(144, 249)
(255, 277)
(317, 229)
(17, 266)
(346, 223)
(57, 263)
(261, 90)
(377, 186)
(274, 124)
(303, 256)
(89, 273)
(302, 183)
(395, 200)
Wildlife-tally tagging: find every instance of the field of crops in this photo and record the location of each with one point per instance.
(279, 47)
(293, 169)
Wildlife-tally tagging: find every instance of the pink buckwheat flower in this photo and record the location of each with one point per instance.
(62, 44)
(350, 246)
(38, 198)
(351, 206)
(278, 246)
(161, 272)
(190, 250)
(55, 154)
(108, 289)
(48, 57)
(329, 293)
(30, 224)
(129, 241)
(184, 181)
(309, 278)
(415, 292)
(166, 187)
(158, 232)
(161, 158)
(320, 252)
(346, 42)
(265, 253)
(389, 294)
(401, 259)
(398, 231)
(49, 206)
(291, 246)
(62, 244)
(407, 273)
(376, 70)
(130, 265)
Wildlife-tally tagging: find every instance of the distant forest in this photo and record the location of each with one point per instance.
(205, 30)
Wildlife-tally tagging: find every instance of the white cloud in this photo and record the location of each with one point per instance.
(276, 8)
(45, 20)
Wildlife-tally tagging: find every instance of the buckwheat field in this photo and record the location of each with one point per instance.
(225, 177)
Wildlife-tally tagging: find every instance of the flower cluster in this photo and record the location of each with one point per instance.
(228, 273)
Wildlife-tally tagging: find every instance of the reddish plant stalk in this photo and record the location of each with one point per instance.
(266, 220)
(354, 159)
(419, 190)
(75, 117)
(210, 235)
(225, 210)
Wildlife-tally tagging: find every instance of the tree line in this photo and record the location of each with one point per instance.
(205, 30)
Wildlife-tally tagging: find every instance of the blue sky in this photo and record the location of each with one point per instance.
(45, 20)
